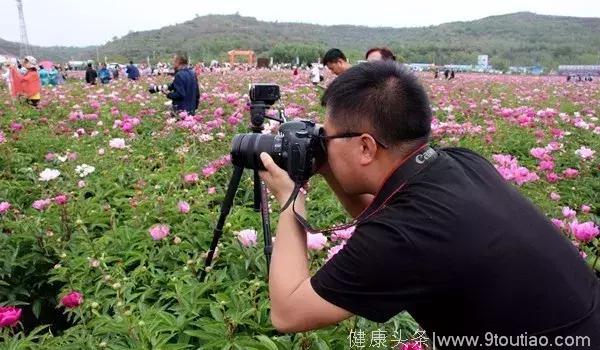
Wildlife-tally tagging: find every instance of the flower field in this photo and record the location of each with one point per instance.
(107, 205)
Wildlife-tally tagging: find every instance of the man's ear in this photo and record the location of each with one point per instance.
(368, 149)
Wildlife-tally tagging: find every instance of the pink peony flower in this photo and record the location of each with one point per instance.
(539, 153)
(584, 232)
(41, 204)
(554, 196)
(558, 223)
(184, 207)
(585, 153)
(4, 206)
(50, 156)
(343, 234)
(61, 199)
(315, 241)
(71, 300)
(16, 127)
(233, 120)
(546, 165)
(568, 212)
(212, 190)
(247, 237)
(584, 209)
(9, 316)
(208, 171)
(191, 178)
(72, 155)
(81, 184)
(159, 231)
(334, 250)
(552, 177)
(117, 143)
(570, 173)
(218, 112)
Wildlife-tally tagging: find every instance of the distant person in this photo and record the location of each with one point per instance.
(90, 75)
(116, 72)
(5, 69)
(446, 74)
(104, 74)
(436, 73)
(184, 91)
(44, 76)
(28, 84)
(53, 76)
(315, 74)
(295, 71)
(133, 73)
(568, 78)
(336, 61)
(451, 74)
(380, 54)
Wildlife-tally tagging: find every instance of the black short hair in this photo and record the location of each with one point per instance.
(89, 65)
(182, 57)
(130, 62)
(333, 55)
(384, 97)
(386, 53)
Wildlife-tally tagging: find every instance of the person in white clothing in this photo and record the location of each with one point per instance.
(315, 74)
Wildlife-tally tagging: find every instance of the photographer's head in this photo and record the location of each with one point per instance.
(377, 113)
(380, 54)
(336, 61)
(180, 60)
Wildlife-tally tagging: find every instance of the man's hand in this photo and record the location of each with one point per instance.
(277, 180)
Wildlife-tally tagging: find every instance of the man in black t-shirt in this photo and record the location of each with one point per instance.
(440, 234)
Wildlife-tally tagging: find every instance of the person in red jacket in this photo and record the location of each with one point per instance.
(27, 85)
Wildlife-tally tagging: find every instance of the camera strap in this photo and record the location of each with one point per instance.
(412, 165)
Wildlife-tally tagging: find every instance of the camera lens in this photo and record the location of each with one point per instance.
(246, 149)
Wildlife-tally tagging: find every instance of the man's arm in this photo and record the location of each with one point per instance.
(177, 87)
(295, 306)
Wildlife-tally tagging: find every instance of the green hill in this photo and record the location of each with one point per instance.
(515, 39)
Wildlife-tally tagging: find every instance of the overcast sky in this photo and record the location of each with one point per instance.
(84, 22)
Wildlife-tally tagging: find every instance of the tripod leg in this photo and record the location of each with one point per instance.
(257, 190)
(266, 224)
(225, 208)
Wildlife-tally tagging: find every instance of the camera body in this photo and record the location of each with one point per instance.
(153, 88)
(265, 93)
(297, 148)
(302, 151)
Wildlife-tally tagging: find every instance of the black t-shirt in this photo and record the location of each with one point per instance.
(465, 254)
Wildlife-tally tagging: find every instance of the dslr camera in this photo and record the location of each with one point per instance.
(153, 88)
(297, 148)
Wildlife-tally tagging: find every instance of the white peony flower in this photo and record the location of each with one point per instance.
(49, 174)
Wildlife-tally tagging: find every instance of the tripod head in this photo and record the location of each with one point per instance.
(258, 114)
(262, 97)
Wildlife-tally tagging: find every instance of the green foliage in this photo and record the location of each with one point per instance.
(510, 40)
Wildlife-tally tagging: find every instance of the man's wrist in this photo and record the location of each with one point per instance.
(298, 203)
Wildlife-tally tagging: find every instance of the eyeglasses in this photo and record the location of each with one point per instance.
(349, 134)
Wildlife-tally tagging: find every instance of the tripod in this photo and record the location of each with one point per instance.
(257, 116)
